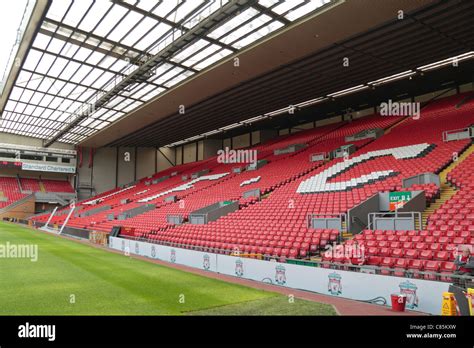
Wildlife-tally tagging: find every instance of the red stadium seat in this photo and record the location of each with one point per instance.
(385, 252)
(415, 266)
(447, 268)
(411, 253)
(387, 262)
(400, 267)
(432, 266)
(426, 255)
(441, 256)
(374, 260)
(396, 253)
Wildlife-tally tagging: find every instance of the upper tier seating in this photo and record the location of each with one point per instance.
(11, 190)
(57, 186)
(30, 184)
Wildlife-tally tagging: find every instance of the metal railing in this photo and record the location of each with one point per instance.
(323, 155)
(341, 217)
(416, 215)
(461, 134)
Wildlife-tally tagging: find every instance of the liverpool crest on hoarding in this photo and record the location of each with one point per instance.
(280, 275)
(335, 284)
(409, 289)
(239, 268)
(206, 262)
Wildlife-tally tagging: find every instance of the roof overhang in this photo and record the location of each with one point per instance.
(34, 23)
(313, 34)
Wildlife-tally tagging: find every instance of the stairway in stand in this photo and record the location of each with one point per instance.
(345, 234)
(447, 191)
(42, 188)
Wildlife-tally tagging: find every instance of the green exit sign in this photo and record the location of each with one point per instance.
(398, 199)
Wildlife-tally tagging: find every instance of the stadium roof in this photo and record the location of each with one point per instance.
(381, 46)
(94, 61)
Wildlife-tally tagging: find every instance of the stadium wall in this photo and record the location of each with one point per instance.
(166, 158)
(146, 157)
(210, 147)
(112, 167)
(126, 165)
(466, 87)
(104, 173)
(241, 141)
(422, 295)
(189, 153)
(29, 141)
(425, 97)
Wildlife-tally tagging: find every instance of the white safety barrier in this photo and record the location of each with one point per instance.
(250, 181)
(184, 187)
(422, 295)
(101, 199)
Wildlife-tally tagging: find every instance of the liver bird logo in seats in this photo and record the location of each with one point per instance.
(322, 182)
(409, 289)
(280, 275)
(335, 284)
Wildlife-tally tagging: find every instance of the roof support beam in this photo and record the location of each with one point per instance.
(36, 18)
(171, 23)
(114, 49)
(269, 12)
(144, 71)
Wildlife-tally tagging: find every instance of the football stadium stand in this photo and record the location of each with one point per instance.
(293, 187)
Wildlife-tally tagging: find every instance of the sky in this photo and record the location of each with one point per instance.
(11, 14)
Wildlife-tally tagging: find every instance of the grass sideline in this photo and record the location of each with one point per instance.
(277, 305)
(71, 278)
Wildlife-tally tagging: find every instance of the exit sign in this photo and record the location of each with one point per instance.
(398, 199)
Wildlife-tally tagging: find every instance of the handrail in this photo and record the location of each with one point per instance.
(469, 129)
(415, 214)
(325, 156)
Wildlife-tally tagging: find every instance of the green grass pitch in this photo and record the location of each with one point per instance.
(71, 278)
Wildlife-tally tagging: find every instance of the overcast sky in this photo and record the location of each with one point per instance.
(11, 13)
